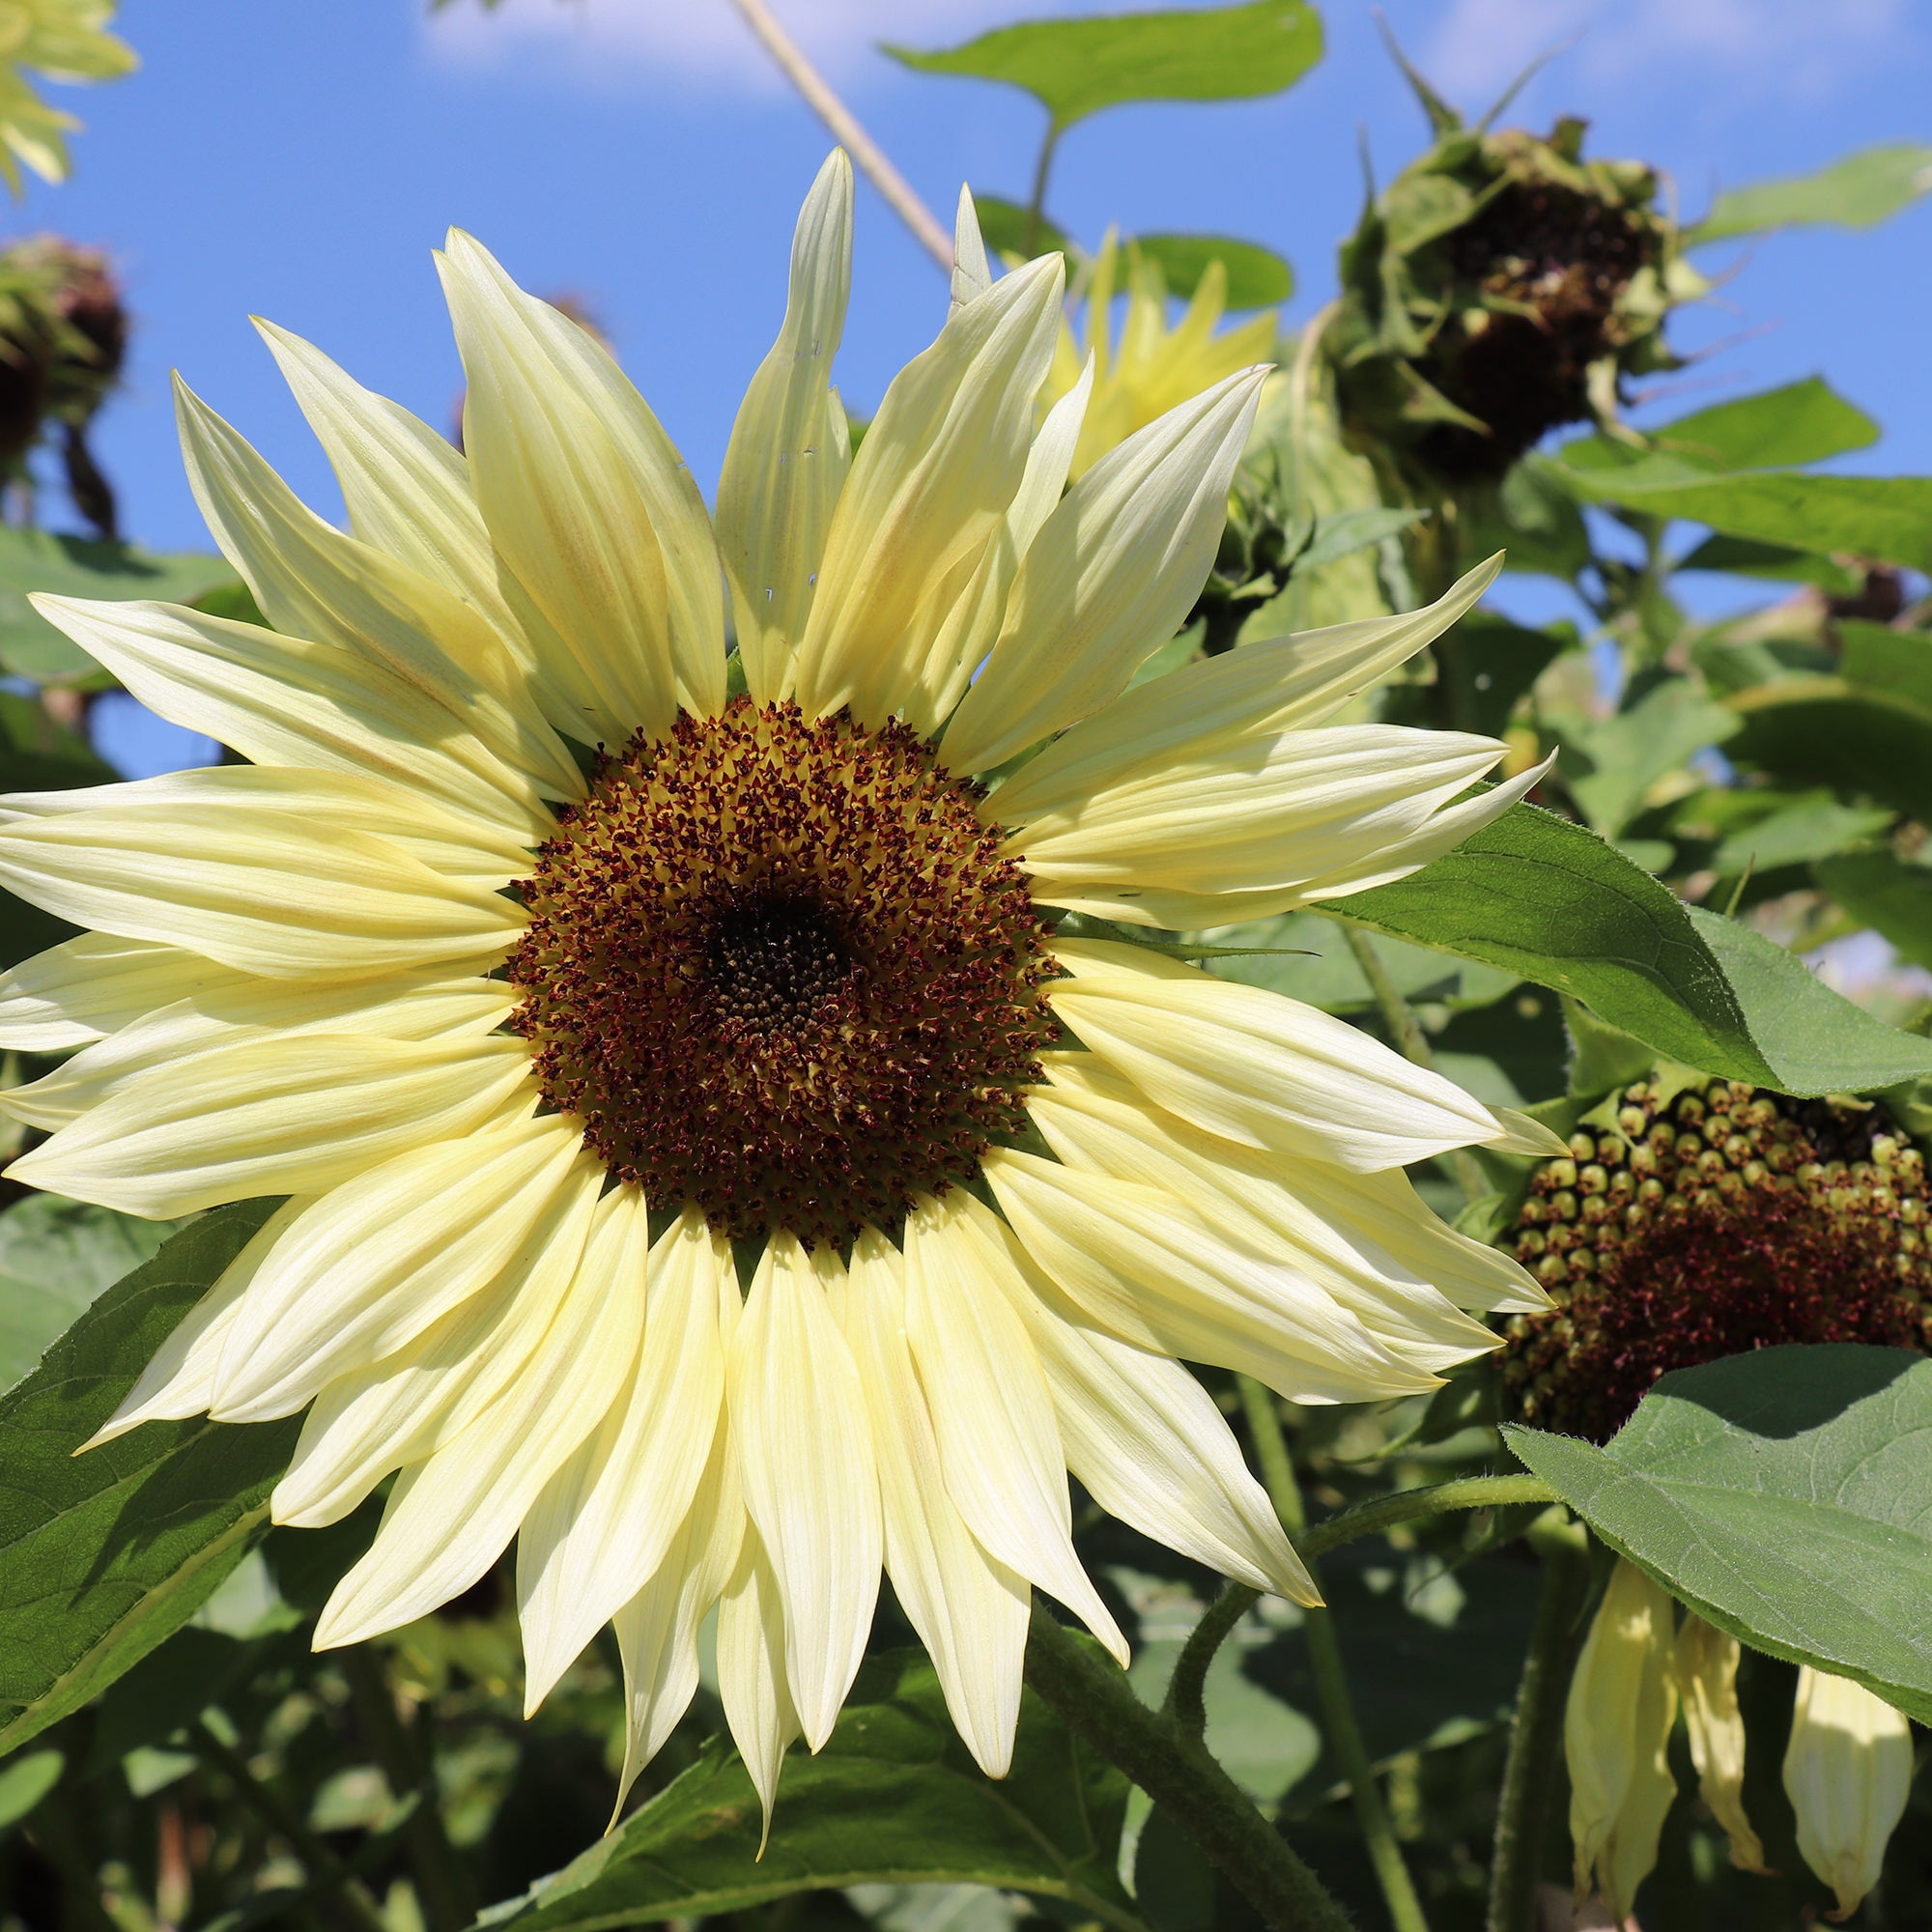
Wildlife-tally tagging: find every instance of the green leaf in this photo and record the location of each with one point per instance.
(1811, 827)
(1658, 735)
(893, 1798)
(1308, 958)
(1003, 227)
(56, 1257)
(1777, 429)
(1856, 191)
(1889, 518)
(25, 1781)
(43, 755)
(80, 567)
(103, 1555)
(1256, 276)
(1551, 901)
(1827, 731)
(1785, 1496)
(1879, 890)
(1340, 533)
(1074, 68)
(1742, 557)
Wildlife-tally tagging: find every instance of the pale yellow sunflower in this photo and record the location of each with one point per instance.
(64, 40)
(541, 1044)
(1149, 368)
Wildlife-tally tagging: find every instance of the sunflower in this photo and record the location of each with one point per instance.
(563, 972)
(1152, 368)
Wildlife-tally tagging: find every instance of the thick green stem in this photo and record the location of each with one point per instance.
(1536, 1731)
(1331, 1683)
(1177, 1772)
(325, 1870)
(1406, 1036)
(441, 1884)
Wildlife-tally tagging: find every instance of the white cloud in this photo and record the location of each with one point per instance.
(702, 40)
(1757, 49)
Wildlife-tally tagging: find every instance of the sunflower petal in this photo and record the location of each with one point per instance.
(605, 1522)
(1111, 575)
(1258, 1068)
(406, 490)
(752, 1649)
(798, 1410)
(280, 701)
(297, 1114)
(414, 1402)
(992, 1412)
(254, 875)
(969, 1609)
(313, 581)
(452, 1516)
(938, 467)
(1148, 1442)
(85, 988)
(384, 1257)
(785, 465)
(586, 501)
(1149, 1268)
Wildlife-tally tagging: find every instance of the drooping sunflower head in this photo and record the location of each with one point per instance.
(1703, 1219)
(537, 1044)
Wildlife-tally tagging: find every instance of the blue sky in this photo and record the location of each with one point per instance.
(301, 159)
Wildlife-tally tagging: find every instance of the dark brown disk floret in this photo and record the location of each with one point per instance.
(1706, 1222)
(778, 969)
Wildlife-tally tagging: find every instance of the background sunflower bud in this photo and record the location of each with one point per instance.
(1847, 1771)
(1499, 286)
(63, 342)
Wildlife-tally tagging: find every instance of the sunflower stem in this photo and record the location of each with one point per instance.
(1037, 203)
(1187, 1705)
(1536, 1730)
(1177, 1772)
(867, 154)
(1331, 1681)
(1408, 1038)
(326, 1872)
(1467, 1493)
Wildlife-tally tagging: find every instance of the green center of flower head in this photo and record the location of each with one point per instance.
(779, 971)
(1705, 1222)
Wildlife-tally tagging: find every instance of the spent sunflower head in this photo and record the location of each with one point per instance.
(62, 40)
(541, 1046)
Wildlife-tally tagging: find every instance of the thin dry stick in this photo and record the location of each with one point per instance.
(860, 145)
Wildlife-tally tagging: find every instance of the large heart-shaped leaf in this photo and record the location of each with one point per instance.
(1076, 67)
(102, 1555)
(1785, 1496)
(892, 1798)
(1551, 901)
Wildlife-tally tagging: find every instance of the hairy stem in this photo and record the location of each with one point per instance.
(867, 154)
(1408, 1038)
(1331, 1683)
(1096, 1704)
(1468, 1492)
(1536, 1730)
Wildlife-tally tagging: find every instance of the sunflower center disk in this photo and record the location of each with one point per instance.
(780, 972)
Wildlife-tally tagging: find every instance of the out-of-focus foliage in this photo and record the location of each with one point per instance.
(60, 40)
